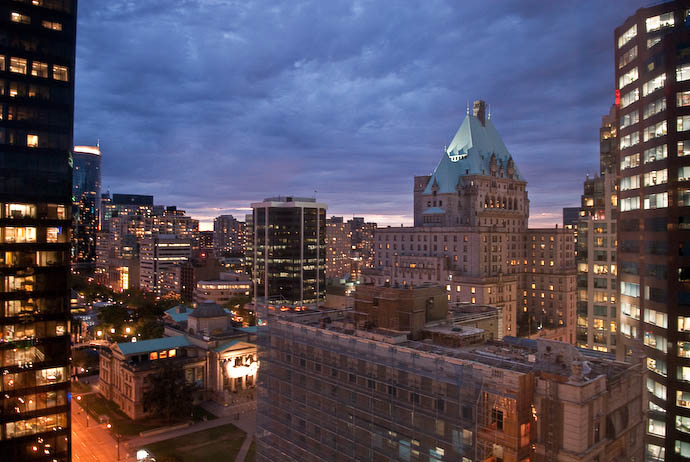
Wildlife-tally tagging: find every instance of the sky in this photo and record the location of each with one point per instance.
(211, 105)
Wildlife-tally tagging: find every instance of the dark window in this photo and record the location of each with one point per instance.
(497, 418)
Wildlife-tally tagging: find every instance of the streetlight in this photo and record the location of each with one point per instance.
(117, 437)
(86, 401)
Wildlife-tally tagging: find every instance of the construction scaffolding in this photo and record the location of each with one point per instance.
(329, 392)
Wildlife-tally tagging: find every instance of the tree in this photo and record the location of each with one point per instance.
(149, 328)
(170, 396)
(113, 315)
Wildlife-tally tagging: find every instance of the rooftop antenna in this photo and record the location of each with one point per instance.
(468, 107)
(98, 143)
(489, 112)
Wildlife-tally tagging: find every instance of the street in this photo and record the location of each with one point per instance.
(92, 444)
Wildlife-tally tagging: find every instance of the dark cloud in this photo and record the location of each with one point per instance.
(213, 104)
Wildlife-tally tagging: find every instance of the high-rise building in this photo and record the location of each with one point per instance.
(597, 283)
(37, 54)
(470, 235)
(228, 235)
(571, 215)
(338, 248)
(124, 204)
(361, 236)
(288, 262)
(158, 257)
(206, 241)
(652, 81)
(86, 208)
(332, 390)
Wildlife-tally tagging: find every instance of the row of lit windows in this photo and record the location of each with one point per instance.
(163, 354)
(38, 69)
(25, 19)
(28, 234)
(36, 425)
(37, 378)
(20, 211)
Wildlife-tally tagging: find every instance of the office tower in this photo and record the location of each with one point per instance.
(338, 249)
(597, 283)
(362, 241)
(228, 235)
(330, 389)
(86, 208)
(124, 204)
(470, 235)
(288, 262)
(652, 78)
(158, 257)
(37, 91)
(571, 215)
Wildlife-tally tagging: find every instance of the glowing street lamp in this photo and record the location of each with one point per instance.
(128, 330)
(99, 333)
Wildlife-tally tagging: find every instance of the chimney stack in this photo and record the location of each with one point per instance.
(479, 111)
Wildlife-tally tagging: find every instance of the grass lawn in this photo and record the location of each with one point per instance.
(219, 444)
(97, 406)
(251, 454)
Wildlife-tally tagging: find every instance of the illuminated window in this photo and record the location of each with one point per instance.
(473, 291)
(655, 177)
(659, 22)
(627, 57)
(630, 182)
(683, 123)
(163, 354)
(654, 84)
(39, 69)
(630, 97)
(52, 25)
(60, 73)
(628, 78)
(20, 18)
(18, 65)
(629, 119)
(627, 36)
(655, 153)
(630, 140)
(654, 131)
(32, 141)
(172, 353)
(153, 355)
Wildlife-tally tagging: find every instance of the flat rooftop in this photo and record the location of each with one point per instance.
(518, 354)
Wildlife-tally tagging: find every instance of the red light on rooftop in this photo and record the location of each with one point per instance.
(618, 97)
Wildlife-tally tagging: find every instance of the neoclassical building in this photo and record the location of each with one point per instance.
(471, 235)
(220, 359)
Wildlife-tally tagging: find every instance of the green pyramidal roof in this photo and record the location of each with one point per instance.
(470, 154)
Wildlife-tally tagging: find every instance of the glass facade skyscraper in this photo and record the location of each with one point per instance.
(288, 251)
(37, 51)
(86, 197)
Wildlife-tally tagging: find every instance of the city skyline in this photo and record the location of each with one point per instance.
(238, 104)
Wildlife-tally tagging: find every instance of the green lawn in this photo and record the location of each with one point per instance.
(219, 444)
(97, 406)
(251, 454)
